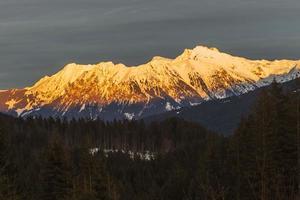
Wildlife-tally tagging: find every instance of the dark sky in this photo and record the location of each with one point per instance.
(38, 37)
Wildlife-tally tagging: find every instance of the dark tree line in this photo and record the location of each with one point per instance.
(53, 159)
(265, 147)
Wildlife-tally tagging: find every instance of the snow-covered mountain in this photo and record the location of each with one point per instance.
(110, 91)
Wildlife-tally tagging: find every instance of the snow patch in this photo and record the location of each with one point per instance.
(169, 106)
(93, 151)
(20, 111)
(11, 103)
(82, 108)
(129, 116)
(195, 103)
(146, 155)
(295, 91)
(29, 112)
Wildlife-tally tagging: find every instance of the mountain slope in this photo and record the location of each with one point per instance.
(109, 91)
(222, 115)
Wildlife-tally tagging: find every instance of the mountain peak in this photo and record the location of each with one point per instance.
(206, 49)
(158, 58)
(207, 52)
(200, 51)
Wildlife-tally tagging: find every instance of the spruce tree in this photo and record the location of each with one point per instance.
(55, 172)
(7, 186)
(104, 185)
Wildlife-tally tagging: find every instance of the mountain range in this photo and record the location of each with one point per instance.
(116, 91)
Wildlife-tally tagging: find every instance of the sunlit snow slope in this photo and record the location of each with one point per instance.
(110, 91)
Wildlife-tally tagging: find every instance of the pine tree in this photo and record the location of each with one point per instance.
(296, 113)
(266, 149)
(7, 187)
(55, 173)
(243, 160)
(104, 185)
(282, 148)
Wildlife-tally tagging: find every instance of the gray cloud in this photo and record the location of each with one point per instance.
(37, 37)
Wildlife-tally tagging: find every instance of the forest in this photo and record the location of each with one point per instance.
(60, 159)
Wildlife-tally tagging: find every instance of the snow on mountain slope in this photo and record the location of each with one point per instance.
(109, 90)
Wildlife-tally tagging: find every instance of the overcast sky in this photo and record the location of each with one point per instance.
(38, 37)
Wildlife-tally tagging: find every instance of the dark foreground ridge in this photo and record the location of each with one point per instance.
(222, 116)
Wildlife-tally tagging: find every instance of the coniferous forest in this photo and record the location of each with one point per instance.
(58, 159)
